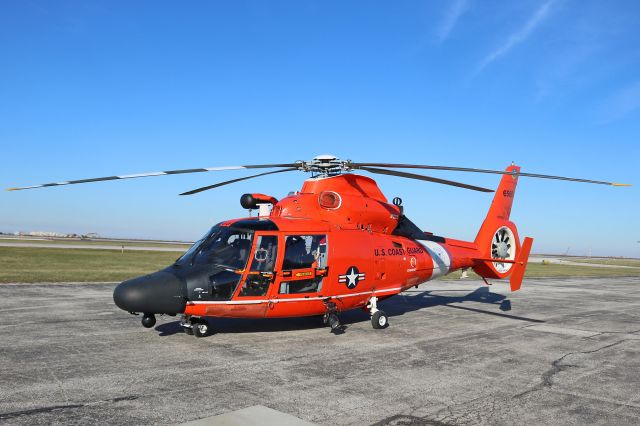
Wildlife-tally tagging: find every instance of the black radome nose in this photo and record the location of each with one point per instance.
(157, 293)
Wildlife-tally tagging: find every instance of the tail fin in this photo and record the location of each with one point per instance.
(498, 236)
(503, 200)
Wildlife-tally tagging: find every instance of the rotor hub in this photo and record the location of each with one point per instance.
(325, 165)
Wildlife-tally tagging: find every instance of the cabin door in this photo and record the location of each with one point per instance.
(299, 282)
(259, 277)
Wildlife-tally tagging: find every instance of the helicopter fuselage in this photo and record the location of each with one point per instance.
(335, 245)
(349, 268)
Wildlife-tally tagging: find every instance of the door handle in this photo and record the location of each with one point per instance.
(322, 272)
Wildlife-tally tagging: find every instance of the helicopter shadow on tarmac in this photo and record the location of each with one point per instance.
(409, 301)
(247, 325)
(412, 300)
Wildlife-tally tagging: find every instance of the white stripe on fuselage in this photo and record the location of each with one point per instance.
(297, 299)
(440, 257)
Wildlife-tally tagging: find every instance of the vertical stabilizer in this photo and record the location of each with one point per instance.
(498, 236)
(503, 200)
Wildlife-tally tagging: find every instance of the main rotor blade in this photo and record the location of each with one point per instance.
(497, 172)
(425, 178)
(168, 172)
(216, 185)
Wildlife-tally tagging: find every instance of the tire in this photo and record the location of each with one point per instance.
(148, 321)
(200, 328)
(325, 320)
(334, 322)
(379, 320)
(188, 331)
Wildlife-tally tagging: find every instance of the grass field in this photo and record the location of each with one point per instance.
(538, 270)
(31, 265)
(602, 261)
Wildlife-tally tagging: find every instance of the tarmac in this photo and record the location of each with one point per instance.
(560, 351)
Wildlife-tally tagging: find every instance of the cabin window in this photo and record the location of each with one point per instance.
(313, 285)
(304, 256)
(305, 251)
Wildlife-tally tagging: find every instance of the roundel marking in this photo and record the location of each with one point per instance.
(352, 277)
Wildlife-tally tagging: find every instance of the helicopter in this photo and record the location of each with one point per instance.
(336, 244)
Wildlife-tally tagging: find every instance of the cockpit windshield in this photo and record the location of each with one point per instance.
(222, 246)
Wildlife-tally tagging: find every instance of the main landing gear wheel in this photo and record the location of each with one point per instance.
(200, 328)
(379, 320)
(148, 320)
(333, 321)
(325, 319)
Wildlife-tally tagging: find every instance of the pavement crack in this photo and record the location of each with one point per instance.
(14, 414)
(55, 408)
(124, 398)
(557, 366)
(408, 420)
(57, 380)
(457, 412)
(616, 332)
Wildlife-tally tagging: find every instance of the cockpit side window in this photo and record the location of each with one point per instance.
(260, 274)
(264, 258)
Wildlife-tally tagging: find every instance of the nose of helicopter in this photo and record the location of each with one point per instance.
(157, 293)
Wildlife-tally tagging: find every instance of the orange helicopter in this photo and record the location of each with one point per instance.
(337, 244)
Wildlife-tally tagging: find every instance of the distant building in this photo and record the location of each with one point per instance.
(46, 234)
(41, 234)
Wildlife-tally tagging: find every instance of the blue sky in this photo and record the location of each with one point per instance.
(91, 89)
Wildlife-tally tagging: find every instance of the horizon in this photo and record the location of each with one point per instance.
(151, 240)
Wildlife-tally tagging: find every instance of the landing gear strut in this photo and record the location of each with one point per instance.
(185, 323)
(379, 319)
